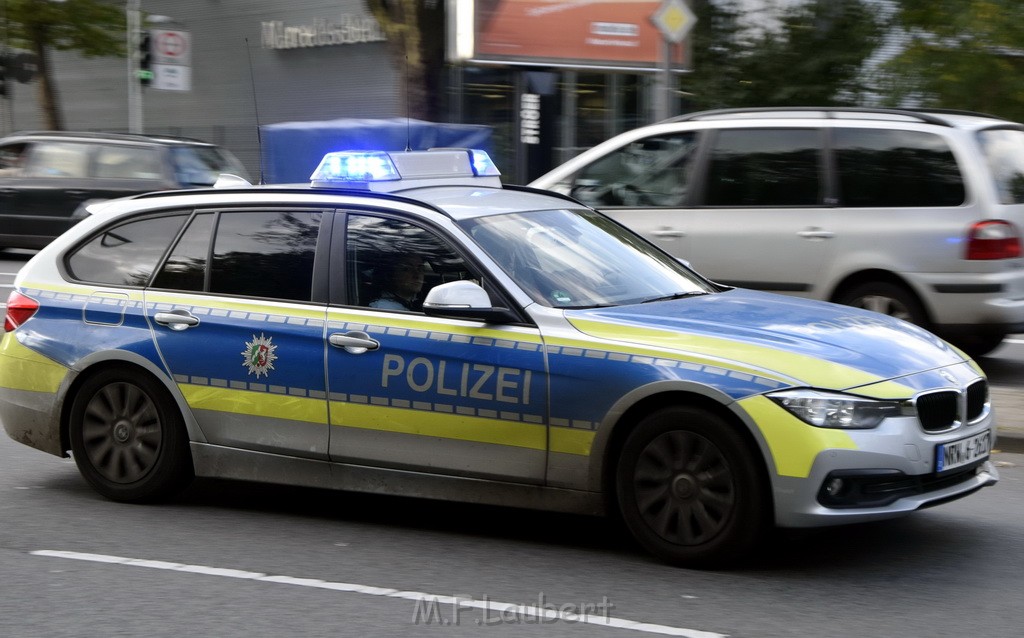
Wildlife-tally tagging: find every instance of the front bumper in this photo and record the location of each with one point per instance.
(890, 474)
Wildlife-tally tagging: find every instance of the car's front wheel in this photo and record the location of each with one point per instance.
(128, 437)
(689, 488)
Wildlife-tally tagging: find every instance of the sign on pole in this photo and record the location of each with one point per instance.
(674, 20)
(172, 60)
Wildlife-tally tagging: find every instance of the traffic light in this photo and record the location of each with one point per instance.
(145, 59)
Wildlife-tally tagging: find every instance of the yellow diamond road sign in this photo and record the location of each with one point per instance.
(674, 19)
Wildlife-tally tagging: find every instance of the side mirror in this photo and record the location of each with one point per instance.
(464, 300)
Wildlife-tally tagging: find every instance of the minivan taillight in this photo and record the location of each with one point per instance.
(993, 239)
(19, 309)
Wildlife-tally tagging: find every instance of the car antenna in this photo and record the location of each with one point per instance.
(256, 109)
(408, 124)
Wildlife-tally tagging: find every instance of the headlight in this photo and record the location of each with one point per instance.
(835, 410)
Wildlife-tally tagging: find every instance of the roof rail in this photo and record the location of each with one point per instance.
(828, 112)
(960, 112)
(99, 135)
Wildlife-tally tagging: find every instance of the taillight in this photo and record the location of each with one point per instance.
(19, 309)
(993, 239)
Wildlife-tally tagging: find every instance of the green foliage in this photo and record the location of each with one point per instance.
(959, 54)
(811, 53)
(92, 27)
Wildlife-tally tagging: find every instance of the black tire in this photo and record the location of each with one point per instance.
(977, 345)
(690, 489)
(887, 298)
(128, 437)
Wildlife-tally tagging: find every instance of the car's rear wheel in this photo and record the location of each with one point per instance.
(689, 488)
(887, 298)
(128, 437)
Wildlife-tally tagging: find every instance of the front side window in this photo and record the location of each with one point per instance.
(765, 167)
(392, 264)
(125, 255)
(1004, 151)
(894, 168)
(654, 171)
(265, 254)
(201, 165)
(581, 259)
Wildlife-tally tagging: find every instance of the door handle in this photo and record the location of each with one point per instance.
(75, 192)
(176, 319)
(354, 342)
(668, 233)
(816, 233)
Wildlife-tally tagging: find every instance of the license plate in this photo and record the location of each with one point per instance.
(949, 456)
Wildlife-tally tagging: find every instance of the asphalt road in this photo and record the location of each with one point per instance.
(234, 559)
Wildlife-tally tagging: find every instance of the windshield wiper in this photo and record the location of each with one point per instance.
(678, 295)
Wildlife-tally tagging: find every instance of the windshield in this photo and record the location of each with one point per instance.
(581, 259)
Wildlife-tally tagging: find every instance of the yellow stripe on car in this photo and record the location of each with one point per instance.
(793, 444)
(705, 349)
(292, 408)
(24, 369)
(439, 424)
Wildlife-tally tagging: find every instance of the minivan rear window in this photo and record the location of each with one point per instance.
(1004, 151)
(889, 168)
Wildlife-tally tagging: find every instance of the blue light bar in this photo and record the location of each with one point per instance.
(482, 164)
(386, 172)
(355, 166)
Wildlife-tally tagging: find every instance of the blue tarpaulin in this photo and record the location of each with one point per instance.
(292, 150)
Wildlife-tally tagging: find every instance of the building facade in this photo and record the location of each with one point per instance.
(253, 62)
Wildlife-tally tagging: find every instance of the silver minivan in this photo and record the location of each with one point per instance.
(916, 214)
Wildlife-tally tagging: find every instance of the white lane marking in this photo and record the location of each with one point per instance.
(387, 592)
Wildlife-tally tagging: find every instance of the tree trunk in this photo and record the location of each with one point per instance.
(47, 88)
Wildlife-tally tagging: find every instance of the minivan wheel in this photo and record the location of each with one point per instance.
(978, 345)
(889, 299)
(128, 437)
(688, 489)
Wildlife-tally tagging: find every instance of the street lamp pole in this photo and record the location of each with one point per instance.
(134, 21)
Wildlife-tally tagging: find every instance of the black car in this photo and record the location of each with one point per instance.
(45, 176)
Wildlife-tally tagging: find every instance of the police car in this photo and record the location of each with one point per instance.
(406, 324)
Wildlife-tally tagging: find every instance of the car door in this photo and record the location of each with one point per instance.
(646, 185)
(762, 221)
(39, 197)
(421, 393)
(237, 327)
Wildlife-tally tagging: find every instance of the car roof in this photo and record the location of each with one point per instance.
(457, 202)
(939, 117)
(164, 140)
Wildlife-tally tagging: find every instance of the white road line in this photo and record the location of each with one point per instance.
(516, 610)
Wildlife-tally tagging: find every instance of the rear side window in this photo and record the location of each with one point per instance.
(890, 168)
(1004, 151)
(765, 167)
(265, 254)
(125, 255)
(58, 159)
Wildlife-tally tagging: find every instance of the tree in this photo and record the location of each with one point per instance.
(960, 54)
(91, 27)
(807, 54)
(415, 30)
